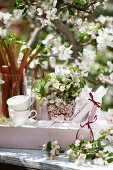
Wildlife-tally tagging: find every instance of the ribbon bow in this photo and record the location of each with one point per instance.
(89, 127)
(95, 103)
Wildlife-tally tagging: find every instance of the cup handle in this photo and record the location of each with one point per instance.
(31, 101)
(33, 111)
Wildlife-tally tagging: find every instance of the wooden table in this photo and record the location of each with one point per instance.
(20, 159)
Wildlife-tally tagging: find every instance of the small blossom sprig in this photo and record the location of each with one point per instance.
(107, 135)
(94, 151)
(52, 149)
(60, 87)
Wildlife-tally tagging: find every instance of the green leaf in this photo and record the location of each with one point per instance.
(21, 7)
(110, 160)
(94, 43)
(39, 102)
(48, 148)
(72, 146)
(59, 77)
(82, 84)
(110, 154)
(90, 155)
(32, 1)
(84, 37)
(24, 12)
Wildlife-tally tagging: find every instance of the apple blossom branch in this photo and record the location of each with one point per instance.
(86, 7)
(105, 80)
(34, 36)
(60, 27)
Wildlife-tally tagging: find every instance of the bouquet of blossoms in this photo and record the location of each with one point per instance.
(59, 91)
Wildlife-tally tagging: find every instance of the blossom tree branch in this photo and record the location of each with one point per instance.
(85, 7)
(67, 34)
(105, 81)
(34, 37)
(58, 5)
(100, 79)
(105, 12)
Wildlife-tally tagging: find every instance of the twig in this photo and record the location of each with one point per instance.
(34, 36)
(32, 57)
(85, 6)
(106, 81)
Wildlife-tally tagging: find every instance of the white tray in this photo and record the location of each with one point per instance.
(31, 137)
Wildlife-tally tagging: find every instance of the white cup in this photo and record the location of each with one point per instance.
(21, 117)
(20, 102)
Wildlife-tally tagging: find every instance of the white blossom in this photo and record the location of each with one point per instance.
(96, 5)
(56, 84)
(102, 19)
(65, 53)
(88, 146)
(104, 38)
(61, 71)
(48, 39)
(54, 143)
(110, 65)
(79, 22)
(69, 152)
(44, 22)
(3, 32)
(111, 131)
(62, 88)
(77, 142)
(51, 14)
(55, 50)
(17, 14)
(105, 3)
(81, 159)
(57, 147)
(51, 101)
(110, 112)
(58, 101)
(87, 59)
(6, 18)
(39, 11)
(103, 143)
(110, 138)
(44, 146)
(111, 76)
(52, 152)
(54, 2)
(108, 148)
(99, 161)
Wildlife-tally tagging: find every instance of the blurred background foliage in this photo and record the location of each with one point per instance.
(24, 27)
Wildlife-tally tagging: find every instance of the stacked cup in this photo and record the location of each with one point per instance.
(19, 109)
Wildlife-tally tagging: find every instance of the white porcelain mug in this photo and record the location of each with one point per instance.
(21, 117)
(20, 102)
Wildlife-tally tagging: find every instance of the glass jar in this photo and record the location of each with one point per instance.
(1, 91)
(13, 85)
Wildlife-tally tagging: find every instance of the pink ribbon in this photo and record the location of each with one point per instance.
(95, 103)
(89, 127)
